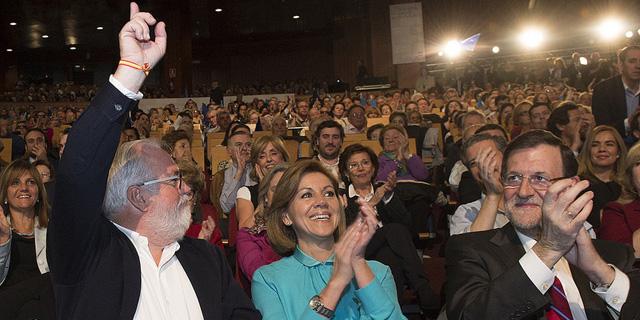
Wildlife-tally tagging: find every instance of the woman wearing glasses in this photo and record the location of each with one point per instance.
(266, 153)
(391, 244)
(324, 273)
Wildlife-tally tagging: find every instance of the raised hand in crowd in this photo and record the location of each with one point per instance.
(136, 46)
(207, 229)
(489, 162)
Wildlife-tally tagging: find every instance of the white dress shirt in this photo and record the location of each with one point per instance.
(166, 292)
(542, 277)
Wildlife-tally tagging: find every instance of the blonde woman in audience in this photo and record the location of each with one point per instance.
(602, 162)
(266, 153)
(323, 273)
(621, 218)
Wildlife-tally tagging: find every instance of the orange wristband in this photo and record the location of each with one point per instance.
(144, 68)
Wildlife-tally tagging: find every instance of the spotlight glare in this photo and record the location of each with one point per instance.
(452, 49)
(531, 38)
(72, 48)
(296, 17)
(610, 29)
(584, 61)
(628, 34)
(12, 23)
(440, 53)
(45, 36)
(495, 49)
(218, 10)
(100, 28)
(9, 50)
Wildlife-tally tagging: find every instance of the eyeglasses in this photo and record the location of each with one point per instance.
(536, 181)
(362, 164)
(174, 181)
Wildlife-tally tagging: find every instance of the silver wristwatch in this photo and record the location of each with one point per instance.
(316, 305)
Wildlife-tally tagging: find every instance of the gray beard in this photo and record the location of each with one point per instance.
(170, 224)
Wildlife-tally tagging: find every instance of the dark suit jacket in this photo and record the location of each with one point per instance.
(392, 212)
(94, 267)
(609, 105)
(485, 280)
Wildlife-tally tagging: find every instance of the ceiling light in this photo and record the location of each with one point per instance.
(610, 29)
(72, 48)
(453, 48)
(12, 23)
(495, 49)
(45, 36)
(100, 28)
(628, 34)
(77, 66)
(9, 50)
(218, 10)
(296, 17)
(440, 53)
(531, 38)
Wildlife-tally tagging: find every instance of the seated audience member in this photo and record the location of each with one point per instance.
(522, 269)
(482, 154)
(602, 163)
(409, 169)
(23, 234)
(279, 126)
(252, 245)
(356, 121)
(224, 120)
(323, 272)
(143, 125)
(178, 145)
(63, 141)
(203, 217)
(45, 170)
(300, 116)
(467, 120)
(225, 183)
(327, 142)
(398, 118)
(415, 130)
(391, 244)
(566, 122)
(17, 142)
(212, 120)
(36, 147)
(129, 134)
(505, 116)
(373, 132)
(620, 219)
(634, 130)
(339, 113)
(539, 114)
(372, 113)
(521, 119)
(233, 127)
(115, 230)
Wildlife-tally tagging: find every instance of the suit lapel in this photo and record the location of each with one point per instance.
(509, 244)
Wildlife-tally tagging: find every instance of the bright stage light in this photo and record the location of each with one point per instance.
(628, 34)
(531, 38)
(610, 29)
(452, 49)
(584, 61)
(495, 49)
(440, 53)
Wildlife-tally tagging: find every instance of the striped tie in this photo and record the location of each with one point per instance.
(558, 309)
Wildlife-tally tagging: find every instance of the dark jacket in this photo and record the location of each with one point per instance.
(609, 105)
(94, 267)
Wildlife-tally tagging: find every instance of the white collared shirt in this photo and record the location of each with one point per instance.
(166, 292)
(542, 277)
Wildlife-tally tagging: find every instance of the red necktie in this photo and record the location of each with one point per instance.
(559, 307)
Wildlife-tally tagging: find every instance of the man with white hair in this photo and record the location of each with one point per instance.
(125, 258)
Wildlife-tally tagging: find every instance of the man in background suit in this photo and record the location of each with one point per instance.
(115, 241)
(543, 263)
(617, 98)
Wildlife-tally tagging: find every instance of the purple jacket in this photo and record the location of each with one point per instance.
(253, 251)
(415, 169)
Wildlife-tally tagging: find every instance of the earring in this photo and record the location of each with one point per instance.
(5, 201)
(617, 155)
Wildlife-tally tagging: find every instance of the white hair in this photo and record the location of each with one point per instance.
(129, 167)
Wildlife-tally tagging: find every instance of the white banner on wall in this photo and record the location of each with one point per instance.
(407, 33)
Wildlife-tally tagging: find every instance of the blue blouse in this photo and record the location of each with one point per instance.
(282, 290)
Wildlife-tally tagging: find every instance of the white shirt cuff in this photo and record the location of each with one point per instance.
(617, 293)
(130, 94)
(386, 199)
(538, 272)
(627, 125)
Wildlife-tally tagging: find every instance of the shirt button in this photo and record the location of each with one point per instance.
(545, 286)
(117, 107)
